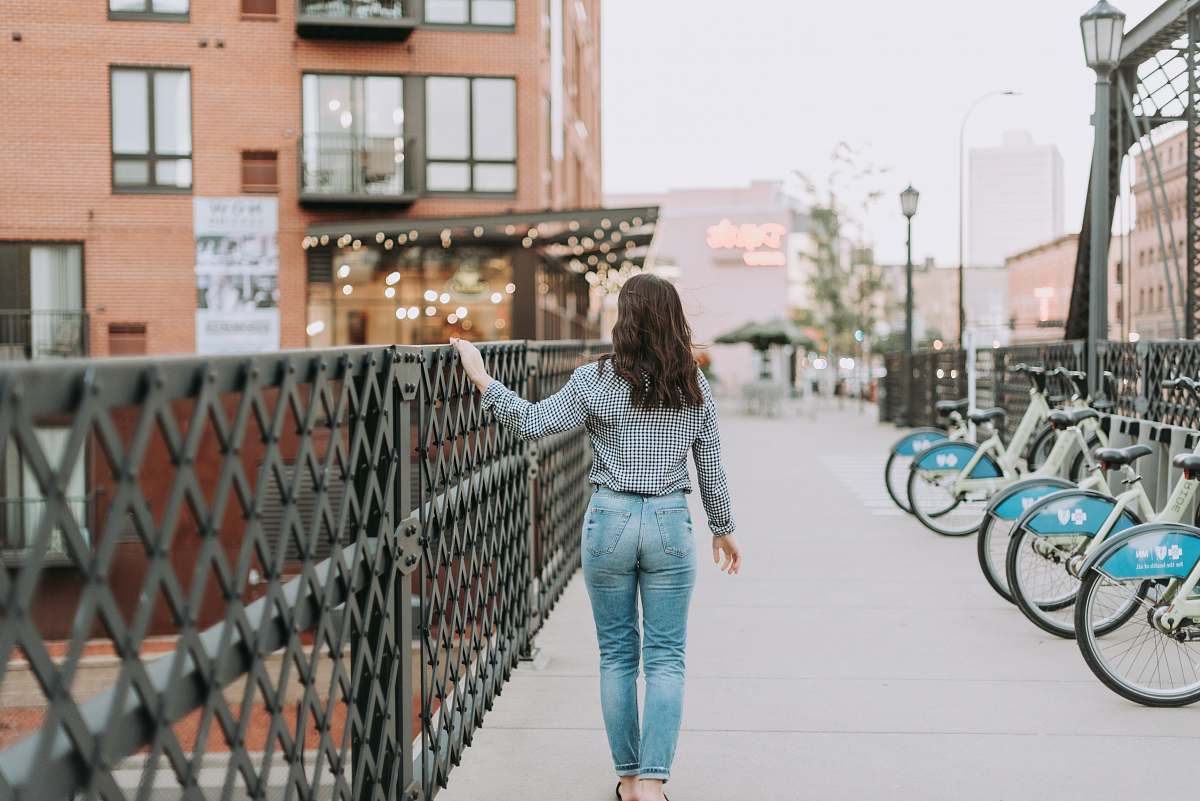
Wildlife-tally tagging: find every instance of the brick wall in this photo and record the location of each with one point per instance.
(55, 157)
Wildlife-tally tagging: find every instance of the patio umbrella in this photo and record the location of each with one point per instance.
(762, 335)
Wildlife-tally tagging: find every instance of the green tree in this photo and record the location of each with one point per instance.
(842, 276)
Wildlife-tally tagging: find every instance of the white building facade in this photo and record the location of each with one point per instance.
(1015, 198)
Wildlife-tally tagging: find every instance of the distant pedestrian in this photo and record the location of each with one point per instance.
(645, 406)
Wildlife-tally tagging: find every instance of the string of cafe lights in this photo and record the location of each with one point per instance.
(607, 255)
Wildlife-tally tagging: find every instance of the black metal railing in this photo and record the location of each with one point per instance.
(340, 166)
(354, 9)
(43, 334)
(1134, 388)
(310, 573)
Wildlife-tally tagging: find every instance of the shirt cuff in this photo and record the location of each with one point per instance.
(721, 531)
(494, 392)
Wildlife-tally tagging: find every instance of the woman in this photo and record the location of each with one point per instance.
(644, 405)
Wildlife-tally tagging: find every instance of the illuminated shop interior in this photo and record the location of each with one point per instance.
(513, 276)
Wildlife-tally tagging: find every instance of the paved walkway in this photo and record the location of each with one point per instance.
(858, 656)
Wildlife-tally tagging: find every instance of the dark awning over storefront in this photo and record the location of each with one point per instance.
(611, 243)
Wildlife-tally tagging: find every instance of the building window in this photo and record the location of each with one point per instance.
(175, 10)
(41, 301)
(260, 171)
(23, 500)
(126, 339)
(151, 130)
(471, 12)
(471, 134)
(353, 135)
(259, 8)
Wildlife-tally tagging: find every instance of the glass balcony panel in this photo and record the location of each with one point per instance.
(354, 9)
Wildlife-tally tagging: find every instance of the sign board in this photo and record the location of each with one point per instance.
(760, 243)
(237, 274)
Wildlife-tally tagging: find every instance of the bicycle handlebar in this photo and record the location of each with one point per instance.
(1189, 384)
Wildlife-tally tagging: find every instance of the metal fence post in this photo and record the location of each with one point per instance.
(407, 387)
(529, 653)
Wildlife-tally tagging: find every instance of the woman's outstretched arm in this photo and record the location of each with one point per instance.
(562, 411)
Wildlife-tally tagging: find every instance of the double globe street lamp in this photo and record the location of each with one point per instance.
(1103, 29)
(908, 205)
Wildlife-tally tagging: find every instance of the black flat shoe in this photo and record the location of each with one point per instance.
(618, 792)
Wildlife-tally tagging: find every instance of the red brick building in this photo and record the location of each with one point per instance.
(120, 114)
(219, 175)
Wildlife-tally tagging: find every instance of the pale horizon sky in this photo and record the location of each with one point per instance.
(726, 94)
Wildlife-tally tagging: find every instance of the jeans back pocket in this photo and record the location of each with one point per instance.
(675, 528)
(603, 528)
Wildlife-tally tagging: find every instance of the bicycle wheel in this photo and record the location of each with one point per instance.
(895, 477)
(1079, 469)
(992, 549)
(1041, 586)
(1136, 660)
(1040, 448)
(934, 502)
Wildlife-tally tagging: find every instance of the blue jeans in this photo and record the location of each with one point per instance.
(640, 543)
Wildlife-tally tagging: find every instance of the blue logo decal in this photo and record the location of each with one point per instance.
(918, 442)
(1155, 554)
(952, 457)
(1077, 514)
(1021, 499)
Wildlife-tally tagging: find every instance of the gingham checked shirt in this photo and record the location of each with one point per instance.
(634, 450)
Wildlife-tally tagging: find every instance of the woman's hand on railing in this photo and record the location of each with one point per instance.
(472, 363)
(726, 554)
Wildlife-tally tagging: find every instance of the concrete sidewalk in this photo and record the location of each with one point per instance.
(857, 656)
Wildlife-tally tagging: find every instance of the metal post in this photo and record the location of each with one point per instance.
(908, 295)
(1100, 229)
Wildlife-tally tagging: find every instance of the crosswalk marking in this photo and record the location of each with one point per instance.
(863, 476)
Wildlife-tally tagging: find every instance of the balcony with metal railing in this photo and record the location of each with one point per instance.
(349, 168)
(43, 334)
(355, 19)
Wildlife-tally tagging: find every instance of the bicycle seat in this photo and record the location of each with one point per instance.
(980, 416)
(1189, 462)
(947, 407)
(1119, 457)
(1065, 418)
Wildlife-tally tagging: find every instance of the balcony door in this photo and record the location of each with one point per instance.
(41, 300)
(354, 135)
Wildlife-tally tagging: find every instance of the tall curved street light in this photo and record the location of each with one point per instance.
(908, 205)
(1103, 28)
(962, 131)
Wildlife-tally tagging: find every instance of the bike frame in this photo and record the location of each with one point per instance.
(1009, 458)
(1135, 497)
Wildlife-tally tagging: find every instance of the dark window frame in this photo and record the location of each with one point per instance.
(409, 177)
(148, 15)
(470, 161)
(151, 158)
(470, 24)
(259, 15)
(260, 156)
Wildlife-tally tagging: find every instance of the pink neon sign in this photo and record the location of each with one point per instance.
(749, 237)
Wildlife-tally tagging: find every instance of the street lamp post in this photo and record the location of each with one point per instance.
(1103, 28)
(962, 132)
(908, 205)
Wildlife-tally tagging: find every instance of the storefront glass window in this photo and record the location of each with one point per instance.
(412, 296)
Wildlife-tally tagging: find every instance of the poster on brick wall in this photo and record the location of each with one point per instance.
(237, 274)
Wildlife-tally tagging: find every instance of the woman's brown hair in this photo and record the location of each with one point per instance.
(652, 346)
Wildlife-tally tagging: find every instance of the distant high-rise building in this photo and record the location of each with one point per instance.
(1015, 198)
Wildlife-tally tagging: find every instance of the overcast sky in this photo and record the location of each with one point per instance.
(713, 93)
